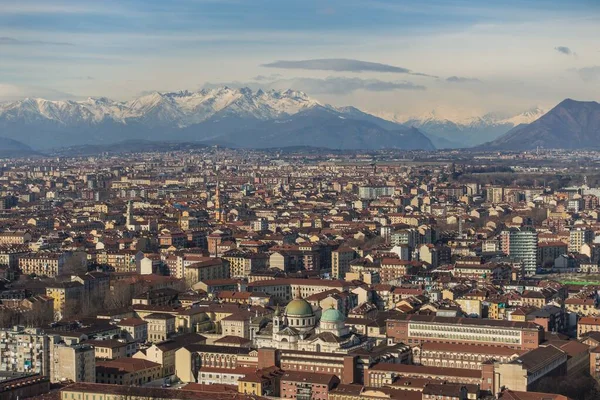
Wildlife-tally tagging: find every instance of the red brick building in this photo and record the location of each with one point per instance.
(415, 329)
(307, 385)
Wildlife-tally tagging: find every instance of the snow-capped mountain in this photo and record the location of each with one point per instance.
(526, 117)
(571, 124)
(465, 131)
(238, 117)
(181, 108)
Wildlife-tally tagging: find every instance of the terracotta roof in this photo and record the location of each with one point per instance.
(310, 377)
(188, 393)
(471, 348)
(417, 370)
(465, 321)
(126, 365)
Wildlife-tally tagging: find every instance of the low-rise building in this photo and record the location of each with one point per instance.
(127, 371)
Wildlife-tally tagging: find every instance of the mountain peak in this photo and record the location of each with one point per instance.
(575, 103)
(571, 124)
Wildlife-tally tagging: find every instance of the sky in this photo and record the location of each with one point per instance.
(458, 58)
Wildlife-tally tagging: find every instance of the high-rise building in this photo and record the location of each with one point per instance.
(409, 237)
(578, 237)
(129, 215)
(340, 261)
(218, 210)
(523, 247)
(374, 192)
(494, 194)
(261, 224)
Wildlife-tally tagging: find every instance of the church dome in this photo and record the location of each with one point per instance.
(299, 308)
(332, 315)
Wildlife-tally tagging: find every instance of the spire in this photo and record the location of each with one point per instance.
(129, 215)
(218, 211)
(298, 293)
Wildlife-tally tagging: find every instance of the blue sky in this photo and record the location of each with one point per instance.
(465, 57)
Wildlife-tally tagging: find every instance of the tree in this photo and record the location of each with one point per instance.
(120, 295)
(8, 318)
(75, 264)
(36, 317)
(580, 387)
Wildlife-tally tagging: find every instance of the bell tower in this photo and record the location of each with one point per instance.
(218, 210)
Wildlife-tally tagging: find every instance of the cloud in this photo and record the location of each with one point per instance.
(10, 41)
(342, 85)
(329, 85)
(262, 78)
(59, 7)
(341, 65)
(462, 79)
(12, 92)
(564, 50)
(589, 74)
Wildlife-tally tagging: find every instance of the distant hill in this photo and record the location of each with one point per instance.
(231, 117)
(570, 125)
(14, 148)
(127, 146)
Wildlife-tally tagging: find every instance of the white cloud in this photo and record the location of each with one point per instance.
(53, 7)
(589, 74)
(12, 92)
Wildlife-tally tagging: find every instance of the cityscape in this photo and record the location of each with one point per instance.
(331, 200)
(297, 273)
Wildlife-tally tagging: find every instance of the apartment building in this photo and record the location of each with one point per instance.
(286, 288)
(9, 254)
(465, 356)
(193, 359)
(208, 268)
(160, 326)
(587, 324)
(340, 261)
(44, 264)
(300, 385)
(127, 371)
(417, 329)
(25, 350)
(136, 329)
(15, 237)
(578, 237)
(243, 263)
(75, 363)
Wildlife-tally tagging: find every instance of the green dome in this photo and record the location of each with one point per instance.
(299, 308)
(332, 315)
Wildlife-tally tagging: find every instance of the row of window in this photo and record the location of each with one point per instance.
(464, 329)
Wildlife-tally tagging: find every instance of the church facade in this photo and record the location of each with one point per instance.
(299, 328)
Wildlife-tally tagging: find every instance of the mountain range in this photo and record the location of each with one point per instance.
(233, 117)
(570, 125)
(465, 132)
(12, 148)
(287, 118)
